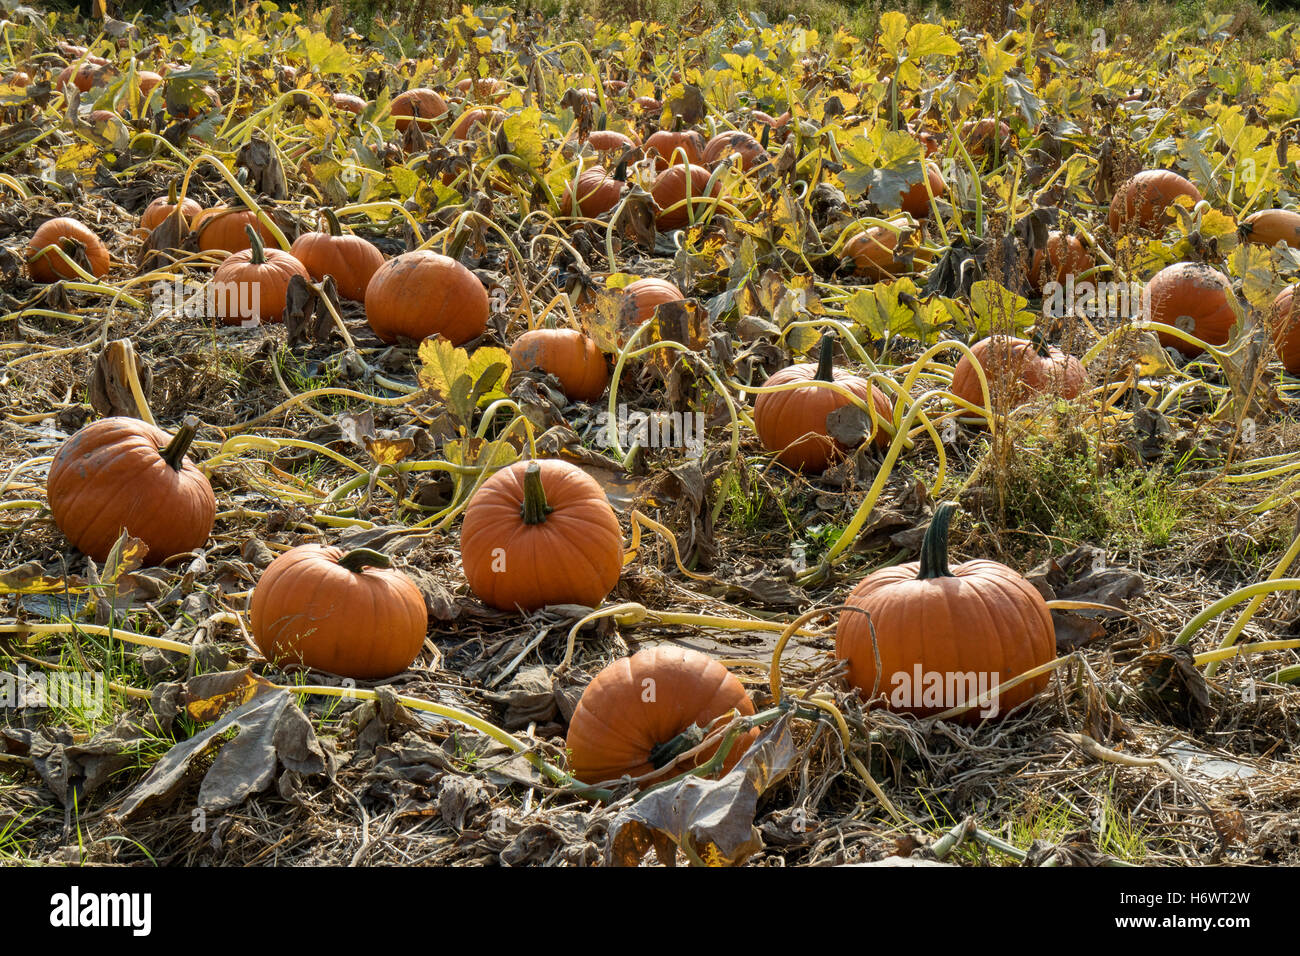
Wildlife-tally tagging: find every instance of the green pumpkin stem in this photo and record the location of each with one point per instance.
(174, 453)
(331, 222)
(361, 558)
(534, 509)
(665, 753)
(258, 249)
(934, 549)
(825, 368)
(171, 193)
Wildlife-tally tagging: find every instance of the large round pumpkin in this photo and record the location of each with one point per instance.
(1271, 226)
(122, 473)
(610, 141)
(751, 151)
(916, 201)
(539, 533)
(943, 634)
(875, 253)
(225, 229)
(1144, 200)
(1286, 331)
(421, 103)
(597, 193)
(1062, 257)
(254, 284)
(348, 613)
(793, 422)
(668, 147)
(1018, 366)
(670, 194)
(349, 259)
(575, 359)
(1193, 297)
(69, 235)
(637, 715)
(423, 293)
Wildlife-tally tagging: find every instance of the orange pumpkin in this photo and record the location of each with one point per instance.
(641, 298)
(945, 634)
(122, 473)
(1195, 298)
(670, 194)
(84, 76)
(610, 141)
(348, 103)
(916, 202)
(597, 192)
(149, 81)
(1063, 257)
(980, 136)
(225, 229)
(793, 422)
(539, 533)
(485, 88)
(751, 151)
(264, 274)
(1144, 199)
(575, 359)
(1271, 226)
(420, 103)
(347, 613)
(349, 259)
(875, 253)
(422, 293)
(163, 206)
(636, 716)
(71, 236)
(664, 146)
(1286, 330)
(1017, 366)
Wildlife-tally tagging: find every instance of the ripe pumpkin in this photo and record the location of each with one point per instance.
(1018, 366)
(575, 359)
(84, 76)
(916, 202)
(1286, 332)
(1063, 256)
(420, 103)
(635, 716)
(793, 422)
(648, 104)
(723, 145)
(670, 194)
(422, 293)
(1144, 199)
(347, 613)
(610, 141)
(265, 273)
(348, 103)
(1271, 226)
(875, 253)
(539, 533)
(597, 192)
(349, 259)
(225, 229)
(121, 473)
(149, 81)
(70, 235)
(978, 136)
(164, 206)
(980, 618)
(664, 146)
(641, 298)
(471, 120)
(485, 88)
(1194, 297)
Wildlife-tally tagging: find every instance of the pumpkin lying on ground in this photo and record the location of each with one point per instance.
(595, 192)
(669, 148)
(423, 293)
(348, 613)
(1271, 226)
(1286, 330)
(122, 473)
(349, 259)
(916, 201)
(254, 284)
(1144, 200)
(539, 533)
(670, 192)
(164, 206)
(793, 422)
(73, 237)
(971, 627)
(876, 254)
(637, 715)
(750, 150)
(1192, 297)
(1062, 257)
(640, 300)
(1020, 367)
(575, 359)
(225, 229)
(422, 105)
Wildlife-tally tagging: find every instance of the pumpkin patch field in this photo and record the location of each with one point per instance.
(484, 437)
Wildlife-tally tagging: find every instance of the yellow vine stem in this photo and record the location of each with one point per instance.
(240, 191)
(162, 643)
(368, 208)
(994, 693)
(1243, 619)
(1233, 599)
(232, 448)
(1221, 654)
(319, 393)
(21, 467)
(914, 373)
(639, 520)
(859, 768)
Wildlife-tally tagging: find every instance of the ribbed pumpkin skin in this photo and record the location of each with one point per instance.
(641, 298)
(404, 105)
(598, 193)
(573, 557)
(269, 278)
(1017, 363)
(1064, 256)
(575, 359)
(222, 228)
(873, 254)
(615, 727)
(161, 208)
(723, 145)
(915, 202)
(794, 422)
(977, 136)
(423, 293)
(50, 267)
(986, 619)
(609, 140)
(1145, 198)
(475, 120)
(664, 144)
(110, 475)
(308, 609)
(1271, 226)
(1286, 335)
(670, 188)
(349, 259)
(1194, 290)
(148, 80)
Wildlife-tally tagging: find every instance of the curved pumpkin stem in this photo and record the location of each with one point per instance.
(258, 249)
(331, 222)
(534, 509)
(825, 370)
(174, 453)
(361, 558)
(934, 549)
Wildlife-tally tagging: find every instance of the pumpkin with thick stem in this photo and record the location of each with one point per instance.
(942, 635)
(122, 473)
(572, 357)
(348, 613)
(539, 533)
(1195, 298)
(422, 293)
(793, 422)
(1020, 367)
(263, 274)
(641, 712)
(157, 211)
(1144, 200)
(349, 259)
(73, 237)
